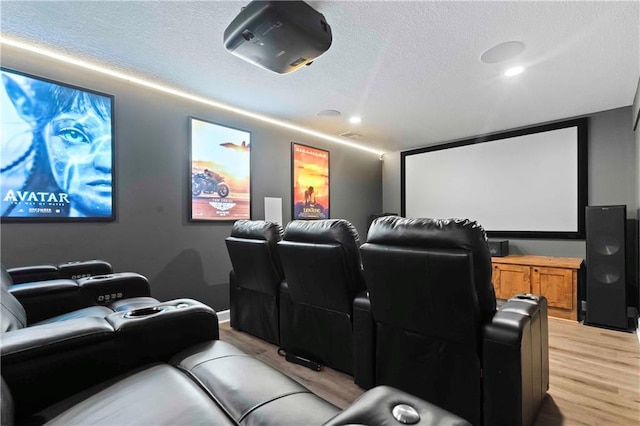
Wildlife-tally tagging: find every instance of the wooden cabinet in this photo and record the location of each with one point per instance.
(556, 278)
(511, 279)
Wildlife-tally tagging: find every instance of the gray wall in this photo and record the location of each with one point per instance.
(635, 122)
(613, 161)
(152, 234)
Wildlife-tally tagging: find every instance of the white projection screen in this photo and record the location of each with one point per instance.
(530, 183)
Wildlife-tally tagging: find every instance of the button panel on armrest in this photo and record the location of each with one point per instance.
(104, 289)
(84, 268)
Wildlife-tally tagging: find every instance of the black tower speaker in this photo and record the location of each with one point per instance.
(606, 279)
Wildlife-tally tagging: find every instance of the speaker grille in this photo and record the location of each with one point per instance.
(606, 245)
(606, 281)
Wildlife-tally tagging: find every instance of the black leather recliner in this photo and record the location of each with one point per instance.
(429, 325)
(73, 270)
(254, 282)
(323, 274)
(208, 382)
(62, 299)
(45, 363)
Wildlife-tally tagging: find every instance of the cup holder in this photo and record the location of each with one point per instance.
(99, 277)
(143, 312)
(526, 296)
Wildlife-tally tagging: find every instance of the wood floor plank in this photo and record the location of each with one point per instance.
(594, 375)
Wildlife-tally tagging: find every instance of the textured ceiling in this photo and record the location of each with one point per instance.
(412, 70)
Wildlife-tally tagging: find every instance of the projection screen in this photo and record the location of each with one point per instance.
(530, 183)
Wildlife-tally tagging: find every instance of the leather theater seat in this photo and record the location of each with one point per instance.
(429, 325)
(72, 270)
(214, 383)
(323, 275)
(254, 282)
(54, 300)
(46, 363)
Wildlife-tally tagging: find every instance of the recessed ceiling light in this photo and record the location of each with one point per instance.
(513, 71)
(355, 120)
(329, 113)
(502, 52)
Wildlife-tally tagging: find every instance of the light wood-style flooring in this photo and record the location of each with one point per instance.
(594, 374)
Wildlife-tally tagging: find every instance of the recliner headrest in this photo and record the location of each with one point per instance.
(257, 230)
(447, 234)
(325, 231)
(428, 233)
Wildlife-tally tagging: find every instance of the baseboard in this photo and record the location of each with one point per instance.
(223, 316)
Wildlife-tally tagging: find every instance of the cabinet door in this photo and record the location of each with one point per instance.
(556, 285)
(511, 279)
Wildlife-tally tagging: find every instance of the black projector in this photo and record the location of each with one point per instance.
(280, 36)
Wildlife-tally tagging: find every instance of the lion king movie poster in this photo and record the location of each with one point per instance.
(220, 172)
(310, 182)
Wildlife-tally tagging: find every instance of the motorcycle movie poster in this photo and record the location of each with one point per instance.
(220, 172)
(310, 182)
(56, 151)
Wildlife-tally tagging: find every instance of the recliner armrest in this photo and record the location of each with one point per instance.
(286, 316)
(376, 407)
(72, 270)
(46, 363)
(234, 309)
(364, 343)
(42, 340)
(46, 299)
(156, 333)
(84, 268)
(26, 274)
(105, 289)
(515, 373)
(43, 288)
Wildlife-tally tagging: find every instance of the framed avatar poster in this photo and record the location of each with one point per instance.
(56, 151)
(220, 172)
(310, 186)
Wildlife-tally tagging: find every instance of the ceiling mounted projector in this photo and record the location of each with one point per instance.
(280, 36)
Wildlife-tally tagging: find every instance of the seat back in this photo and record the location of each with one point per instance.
(256, 277)
(429, 283)
(323, 270)
(12, 314)
(321, 260)
(253, 251)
